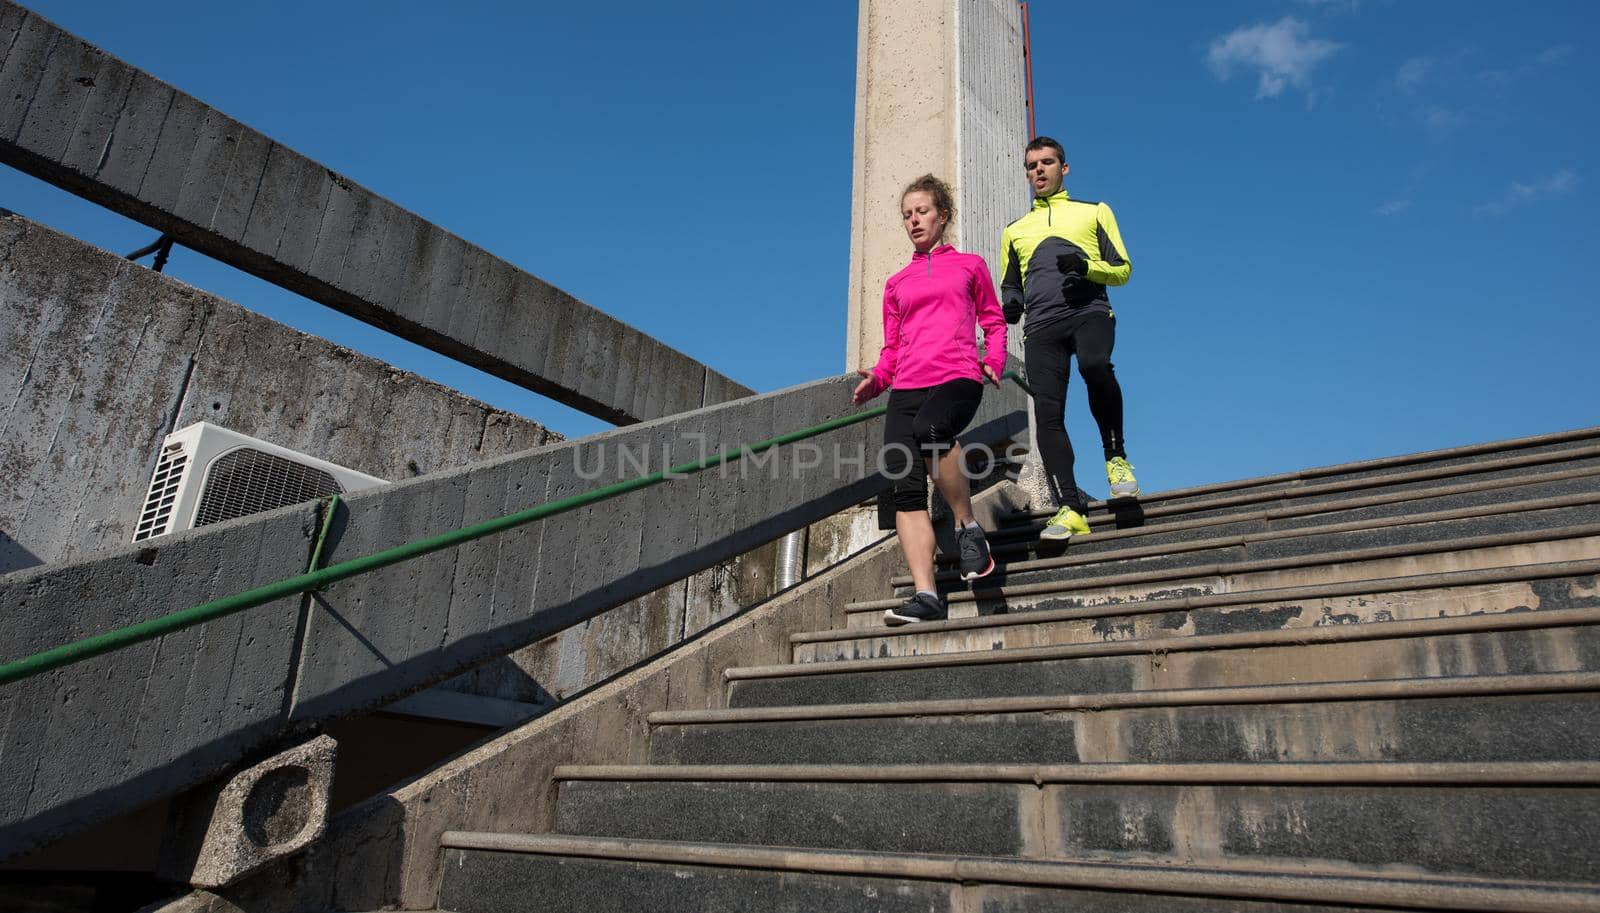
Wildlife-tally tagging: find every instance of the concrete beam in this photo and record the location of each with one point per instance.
(96, 126)
(104, 736)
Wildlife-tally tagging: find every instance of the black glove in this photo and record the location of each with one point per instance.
(1012, 310)
(1072, 263)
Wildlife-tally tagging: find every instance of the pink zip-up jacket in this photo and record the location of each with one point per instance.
(929, 308)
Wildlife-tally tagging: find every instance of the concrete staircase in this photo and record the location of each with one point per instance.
(1374, 686)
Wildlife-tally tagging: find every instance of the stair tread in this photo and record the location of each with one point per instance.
(1160, 604)
(1326, 773)
(1376, 631)
(1520, 508)
(1027, 536)
(1427, 456)
(1388, 689)
(1346, 485)
(1253, 565)
(1292, 883)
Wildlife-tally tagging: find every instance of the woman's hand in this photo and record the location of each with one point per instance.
(867, 389)
(989, 373)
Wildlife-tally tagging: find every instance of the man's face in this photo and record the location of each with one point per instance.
(1045, 171)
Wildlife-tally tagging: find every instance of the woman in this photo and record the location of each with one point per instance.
(930, 363)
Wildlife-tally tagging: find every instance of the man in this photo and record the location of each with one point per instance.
(1058, 259)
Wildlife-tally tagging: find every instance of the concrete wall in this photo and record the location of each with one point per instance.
(114, 732)
(98, 127)
(106, 356)
(101, 358)
(959, 114)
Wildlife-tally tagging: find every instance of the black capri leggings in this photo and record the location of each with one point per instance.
(922, 423)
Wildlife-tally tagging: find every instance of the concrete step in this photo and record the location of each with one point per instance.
(1453, 460)
(1533, 821)
(1233, 570)
(1476, 494)
(1454, 457)
(1027, 524)
(1482, 718)
(499, 873)
(1553, 640)
(1429, 526)
(1107, 614)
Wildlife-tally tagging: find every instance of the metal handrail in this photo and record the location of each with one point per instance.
(316, 579)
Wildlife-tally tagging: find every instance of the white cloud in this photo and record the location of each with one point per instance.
(1520, 194)
(1554, 55)
(1442, 121)
(1412, 74)
(1282, 52)
(1402, 201)
(1502, 78)
(1498, 79)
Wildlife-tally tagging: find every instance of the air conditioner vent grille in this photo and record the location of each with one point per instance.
(156, 518)
(246, 481)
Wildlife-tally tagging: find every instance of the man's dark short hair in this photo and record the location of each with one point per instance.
(1045, 142)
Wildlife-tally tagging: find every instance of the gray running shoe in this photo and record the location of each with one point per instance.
(975, 558)
(920, 607)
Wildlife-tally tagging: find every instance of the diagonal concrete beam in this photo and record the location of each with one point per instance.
(79, 118)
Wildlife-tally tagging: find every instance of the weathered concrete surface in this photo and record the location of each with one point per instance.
(1477, 728)
(912, 818)
(557, 667)
(365, 641)
(729, 587)
(265, 812)
(832, 540)
(1295, 657)
(101, 358)
(1505, 829)
(1131, 582)
(962, 119)
(1412, 533)
(92, 124)
(482, 882)
(386, 850)
(105, 357)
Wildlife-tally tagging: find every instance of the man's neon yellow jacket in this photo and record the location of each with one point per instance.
(1059, 258)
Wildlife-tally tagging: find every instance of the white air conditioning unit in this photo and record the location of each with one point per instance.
(206, 474)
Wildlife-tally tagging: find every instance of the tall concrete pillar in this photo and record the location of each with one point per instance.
(939, 88)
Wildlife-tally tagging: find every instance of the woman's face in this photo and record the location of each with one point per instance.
(924, 223)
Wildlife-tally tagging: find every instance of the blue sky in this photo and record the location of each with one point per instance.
(1358, 227)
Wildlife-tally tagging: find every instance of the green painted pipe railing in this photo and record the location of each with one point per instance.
(315, 579)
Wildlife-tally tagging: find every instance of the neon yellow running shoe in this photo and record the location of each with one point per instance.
(1064, 525)
(1120, 475)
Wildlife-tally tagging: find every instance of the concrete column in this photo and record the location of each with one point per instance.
(939, 88)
